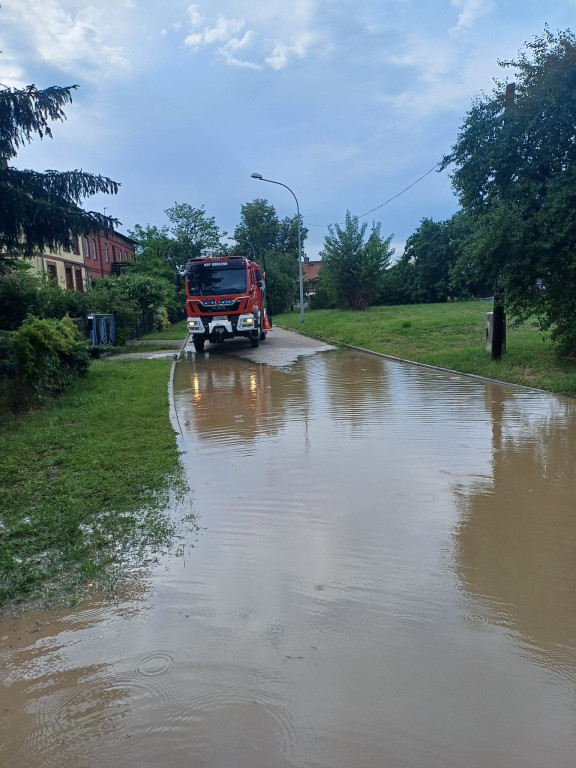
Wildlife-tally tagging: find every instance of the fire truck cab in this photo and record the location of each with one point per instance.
(225, 297)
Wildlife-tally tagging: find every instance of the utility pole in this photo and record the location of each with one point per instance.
(498, 315)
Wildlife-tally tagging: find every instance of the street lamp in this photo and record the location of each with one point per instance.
(260, 178)
(251, 246)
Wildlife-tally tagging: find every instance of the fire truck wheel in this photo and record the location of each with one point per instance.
(262, 335)
(254, 342)
(199, 345)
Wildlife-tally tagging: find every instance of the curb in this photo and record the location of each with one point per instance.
(394, 359)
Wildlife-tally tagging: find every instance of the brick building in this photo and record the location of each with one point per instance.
(104, 252)
(91, 256)
(311, 275)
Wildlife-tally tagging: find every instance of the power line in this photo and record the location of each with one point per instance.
(386, 201)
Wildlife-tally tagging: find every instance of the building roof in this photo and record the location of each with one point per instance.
(311, 270)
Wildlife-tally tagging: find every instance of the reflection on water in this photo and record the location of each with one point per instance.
(385, 576)
(515, 542)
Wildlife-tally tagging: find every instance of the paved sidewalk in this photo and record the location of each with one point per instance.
(280, 348)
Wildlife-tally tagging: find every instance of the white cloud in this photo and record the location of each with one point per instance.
(267, 46)
(234, 46)
(471, 10)
(10, 73)
(224, 35)
(441, 76)
(70, 37)
(222, 32)
(282, 52)
(195, 16)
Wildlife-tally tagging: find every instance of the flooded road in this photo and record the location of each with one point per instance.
(384, 575)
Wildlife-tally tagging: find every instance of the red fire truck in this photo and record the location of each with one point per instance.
(225, 297)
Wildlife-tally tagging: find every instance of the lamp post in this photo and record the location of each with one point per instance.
(251, 246)
(261, 178)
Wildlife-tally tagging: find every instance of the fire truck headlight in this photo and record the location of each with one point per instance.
(245, 323)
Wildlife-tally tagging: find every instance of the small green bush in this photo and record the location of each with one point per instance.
(18, 297)
(161, 321)
(49, 354)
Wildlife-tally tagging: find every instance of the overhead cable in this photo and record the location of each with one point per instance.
(386, 201)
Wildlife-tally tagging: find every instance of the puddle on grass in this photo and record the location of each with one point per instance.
(384, 575)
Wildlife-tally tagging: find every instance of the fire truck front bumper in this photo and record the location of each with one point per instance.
(195, 325)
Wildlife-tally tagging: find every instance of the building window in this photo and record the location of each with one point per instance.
(52, 271)
(86, 249)
(106, 257)
(75, 244)
(69, 278)
(79, 281)
(94, 254)
(119, 254)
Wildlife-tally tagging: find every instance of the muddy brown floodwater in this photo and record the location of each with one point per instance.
(385, 575)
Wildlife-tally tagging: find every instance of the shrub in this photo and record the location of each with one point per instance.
(8, 372)
(128, 297)
(57, 302)
(18, 297)
(49, 354)
(161, 321)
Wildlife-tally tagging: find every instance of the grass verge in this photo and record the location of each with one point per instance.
(85, 482)
(447, 335)
(176, 331)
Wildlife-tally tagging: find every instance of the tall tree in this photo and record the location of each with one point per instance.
(515, 174)
(39, 210)
(429, 251)
(353, 270)
(287, 241)
(275, 246)
(154, 250)
(194, 234)
(259, 227)
(438, 269)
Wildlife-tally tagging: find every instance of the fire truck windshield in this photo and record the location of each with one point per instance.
(206, 279)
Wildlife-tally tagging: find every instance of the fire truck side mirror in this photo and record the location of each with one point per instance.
(259, 276)
(177, 283)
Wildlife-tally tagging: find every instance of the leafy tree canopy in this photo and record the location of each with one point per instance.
(41, 210)
(353, 269)
(154, 250)
(259, 228)
(274, 244)
(435, 267)
(515, 174)
(193, 234)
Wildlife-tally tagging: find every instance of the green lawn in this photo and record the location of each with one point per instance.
(447, 335)
(176, 331)
(85, 482)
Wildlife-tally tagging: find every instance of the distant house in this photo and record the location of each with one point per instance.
(311, 275)
(91, 256)
(64, 265)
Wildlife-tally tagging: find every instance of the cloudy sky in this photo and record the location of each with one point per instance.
(347, 102)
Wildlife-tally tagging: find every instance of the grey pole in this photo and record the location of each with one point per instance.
(251, 246)
(261, 178)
